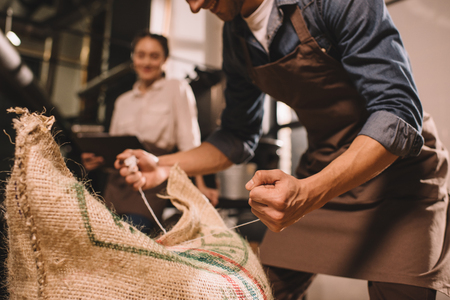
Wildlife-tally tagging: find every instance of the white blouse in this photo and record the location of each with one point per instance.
(165, 115)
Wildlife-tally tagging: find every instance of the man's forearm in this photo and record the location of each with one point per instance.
(365, 159)
(205, 159)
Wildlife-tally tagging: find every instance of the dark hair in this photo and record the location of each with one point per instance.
(145, 33)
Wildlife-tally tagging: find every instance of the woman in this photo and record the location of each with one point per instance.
(162, 114)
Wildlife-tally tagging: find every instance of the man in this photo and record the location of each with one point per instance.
(371, 188)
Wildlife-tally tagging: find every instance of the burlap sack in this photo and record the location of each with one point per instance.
(65, 244)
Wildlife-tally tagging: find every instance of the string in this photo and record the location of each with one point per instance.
(201, 213)
(151, 210)
(162, 228)
(131, 163)
(226, 229)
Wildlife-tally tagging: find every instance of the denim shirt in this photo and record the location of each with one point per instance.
(361, 35)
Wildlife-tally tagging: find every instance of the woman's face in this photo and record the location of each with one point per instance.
(148, 60)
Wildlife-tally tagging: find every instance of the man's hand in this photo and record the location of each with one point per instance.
(149, 174)
(278, 199)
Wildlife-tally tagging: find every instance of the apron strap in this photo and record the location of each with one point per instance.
(295, 14)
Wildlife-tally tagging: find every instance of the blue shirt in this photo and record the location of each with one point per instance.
(361, 35)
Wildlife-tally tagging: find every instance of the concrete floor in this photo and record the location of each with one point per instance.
(327, 287)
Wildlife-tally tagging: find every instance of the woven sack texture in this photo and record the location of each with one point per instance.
(65, 244)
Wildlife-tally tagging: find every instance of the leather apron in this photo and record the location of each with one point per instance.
(392, 228)
(121, 198)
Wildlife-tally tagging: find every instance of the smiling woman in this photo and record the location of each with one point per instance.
(162, 114)
(150, 52)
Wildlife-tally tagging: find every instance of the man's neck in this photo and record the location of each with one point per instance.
(249, 7)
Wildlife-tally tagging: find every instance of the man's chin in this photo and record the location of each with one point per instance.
(224, 17)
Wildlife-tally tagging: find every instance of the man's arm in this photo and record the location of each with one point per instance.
(280, 200)
(373, 55)
(204, 159)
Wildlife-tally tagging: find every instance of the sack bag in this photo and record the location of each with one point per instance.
(65, 244)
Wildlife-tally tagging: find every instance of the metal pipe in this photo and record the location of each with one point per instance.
(8, 22)
(11, 62)
(19, 83)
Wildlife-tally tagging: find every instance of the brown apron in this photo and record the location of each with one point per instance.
(120, 197)
(392, 228)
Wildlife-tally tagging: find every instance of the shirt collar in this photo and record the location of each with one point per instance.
(157, 85)
(240, 27)
(285, 2)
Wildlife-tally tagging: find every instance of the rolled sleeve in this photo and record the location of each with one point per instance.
(241, 121)
(233, 148)
(396, 135)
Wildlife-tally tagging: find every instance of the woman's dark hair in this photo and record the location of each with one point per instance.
(145, 33)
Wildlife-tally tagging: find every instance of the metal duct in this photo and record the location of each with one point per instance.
(17, 82)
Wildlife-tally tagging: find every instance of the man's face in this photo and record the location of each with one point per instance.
(226, 10)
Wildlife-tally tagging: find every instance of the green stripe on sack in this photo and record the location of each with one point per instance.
(179, 257)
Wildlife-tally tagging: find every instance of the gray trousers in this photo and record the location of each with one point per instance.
(292, 285)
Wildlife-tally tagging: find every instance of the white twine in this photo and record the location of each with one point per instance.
(131, 162)
(226, 229)
(151, 210)
(201, 213)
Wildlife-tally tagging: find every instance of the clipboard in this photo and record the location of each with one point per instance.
(106, 145)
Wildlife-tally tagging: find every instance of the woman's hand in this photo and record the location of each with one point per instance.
(211, 194)
(149, 174)
(90, 161)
